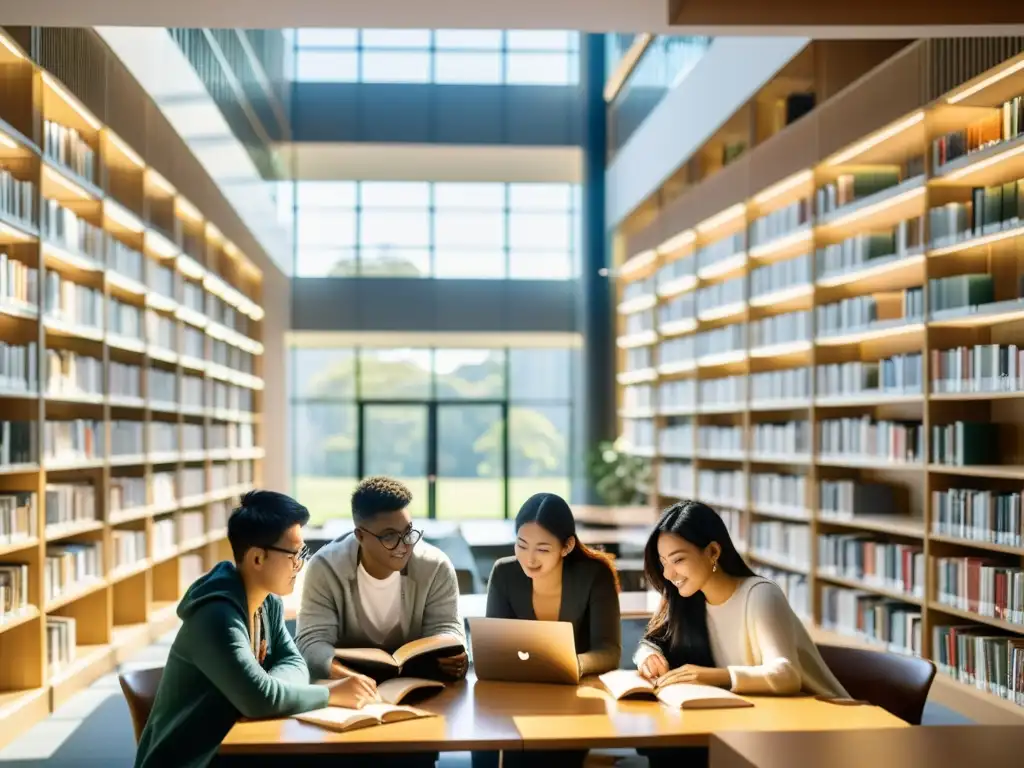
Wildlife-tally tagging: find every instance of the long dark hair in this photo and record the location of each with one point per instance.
(680, 626)
(552, 513)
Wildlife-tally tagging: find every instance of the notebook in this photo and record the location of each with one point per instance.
(623, 683)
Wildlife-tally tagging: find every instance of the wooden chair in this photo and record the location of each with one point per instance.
(139, 687)
(898, 684)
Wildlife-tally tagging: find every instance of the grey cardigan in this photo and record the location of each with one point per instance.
(331, 613)
(589, 601)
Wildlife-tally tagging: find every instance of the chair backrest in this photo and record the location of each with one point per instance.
(139, 687)
(897, 684)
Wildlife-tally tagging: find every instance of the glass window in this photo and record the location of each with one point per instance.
(470, 461)
(395, 443)
(396, 67)
(540, 197)
(540, 265)
(538, 444)
(326, 227)
(317, 37)
(539, 374)
(472, 39)
(388, 261)
(466, 67)
(394, 194)
(461, 229)
(469, 195)
(323, 374)
(469, 264)
(327, 66)
(325, 262)
(539, 69)
(539, 40)
(325, 457)
(394, 228)
(325, 194)
(395, 374)
(539, 231)
(469, 374)
(396, 38)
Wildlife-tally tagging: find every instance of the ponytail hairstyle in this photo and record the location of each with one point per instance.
(680, 625)
(552, 513)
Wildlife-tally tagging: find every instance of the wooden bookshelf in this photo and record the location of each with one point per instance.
(710, 380)
(159, 365)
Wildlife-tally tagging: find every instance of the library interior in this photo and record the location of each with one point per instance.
(648, 257)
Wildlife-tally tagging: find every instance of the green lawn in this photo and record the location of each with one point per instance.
(460, 498)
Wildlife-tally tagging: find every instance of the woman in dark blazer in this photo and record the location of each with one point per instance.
(554, 577)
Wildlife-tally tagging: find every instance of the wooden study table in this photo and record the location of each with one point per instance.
(478, 715)
(951, 746)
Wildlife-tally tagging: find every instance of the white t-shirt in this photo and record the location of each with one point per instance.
(382, 603)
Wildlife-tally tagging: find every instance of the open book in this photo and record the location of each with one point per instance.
(622, 683)
(388, 710)
(442, 645)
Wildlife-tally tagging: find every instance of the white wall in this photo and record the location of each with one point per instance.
(731, 71)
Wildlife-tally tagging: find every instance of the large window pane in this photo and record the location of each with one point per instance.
(469, 263)
(325, 194)
(540, 197)
(396, 38)
(540, 231)
(387, 261)
(327, 66)
(396, 67)
(394, 374)
(325, 458)
(469, 373)
(395, 444)
(467, 67)
(313, 261)
(539, 40)
(474, 39)
(470, 461)
(461, 229)
(540, 265)
(326, 227)
(323, 374)
(394, 194)
(538, 69)
(539, 374)
(538, 444)
(394, 228)
(469, 195)
(317, 37)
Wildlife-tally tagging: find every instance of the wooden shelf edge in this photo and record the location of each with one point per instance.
(20, 710)
(91, 663)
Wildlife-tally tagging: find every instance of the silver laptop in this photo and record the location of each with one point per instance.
(524, 651)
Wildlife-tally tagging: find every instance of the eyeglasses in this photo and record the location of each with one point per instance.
(392, 539)
(298, 558)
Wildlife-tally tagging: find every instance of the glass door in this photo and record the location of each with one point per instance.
(471, 466)
(396, 441)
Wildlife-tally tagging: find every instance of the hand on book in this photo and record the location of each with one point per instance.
(454, 667)
(653, 667)
(353, 692)
(691, 673)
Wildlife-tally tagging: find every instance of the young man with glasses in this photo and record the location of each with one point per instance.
(378, 587)
(232, 656)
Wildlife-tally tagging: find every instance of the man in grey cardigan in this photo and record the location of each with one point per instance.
(379, 586)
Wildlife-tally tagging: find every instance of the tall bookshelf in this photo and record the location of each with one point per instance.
(831, 362)
(130, 394)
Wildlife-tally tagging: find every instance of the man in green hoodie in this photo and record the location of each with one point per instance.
(233, 656)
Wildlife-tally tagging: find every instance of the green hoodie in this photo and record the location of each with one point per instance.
(212, 677)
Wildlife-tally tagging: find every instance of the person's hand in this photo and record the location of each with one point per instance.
(339, 672)
(691, 673)
(454, 667)
(653, 667)
(353, 692)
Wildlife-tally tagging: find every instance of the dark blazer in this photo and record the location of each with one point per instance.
(589, 601)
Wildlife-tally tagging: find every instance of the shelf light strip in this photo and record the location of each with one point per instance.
(794, 181)
(160, 183)
(976, 242)
(7, 141)
(7, 43)
(123, 218)
(677, 242)
(982, 164)
(70, 186)
(639, 261)
(125, 150)
(991, 80)
(71, 101)
(722, 218)
(189, 211)
(881, 205)
(873, 141)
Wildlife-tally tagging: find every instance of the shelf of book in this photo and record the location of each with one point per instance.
(835, 364)
(130, 395)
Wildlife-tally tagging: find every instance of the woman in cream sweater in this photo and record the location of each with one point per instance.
(719, 623)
